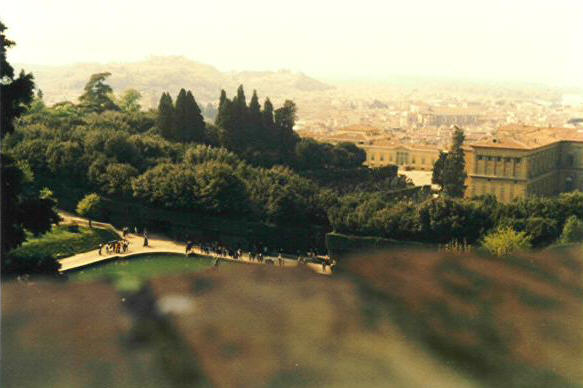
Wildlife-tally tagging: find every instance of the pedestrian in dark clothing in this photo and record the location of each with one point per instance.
(100, 247)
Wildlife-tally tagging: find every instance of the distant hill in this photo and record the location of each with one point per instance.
(159, 74)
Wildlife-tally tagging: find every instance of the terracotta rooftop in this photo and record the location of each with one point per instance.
(524, 137)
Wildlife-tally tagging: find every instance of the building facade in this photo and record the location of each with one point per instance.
(544, 162)
(407, 156)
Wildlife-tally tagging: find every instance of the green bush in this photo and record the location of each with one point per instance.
(572, 231)
(505, 241)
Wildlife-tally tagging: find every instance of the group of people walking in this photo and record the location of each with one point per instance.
(259, 253)
(119, 246)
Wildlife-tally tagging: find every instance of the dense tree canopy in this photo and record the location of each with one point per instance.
(16, 93)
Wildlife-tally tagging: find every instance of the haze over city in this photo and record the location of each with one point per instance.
(525, 40)
(291, 194)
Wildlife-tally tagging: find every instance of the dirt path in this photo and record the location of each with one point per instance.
(156, 244)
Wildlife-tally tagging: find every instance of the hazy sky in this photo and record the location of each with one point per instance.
(524, 40)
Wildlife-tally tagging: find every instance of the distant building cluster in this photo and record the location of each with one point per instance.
(514, 161)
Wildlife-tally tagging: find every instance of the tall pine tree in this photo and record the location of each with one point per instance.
(221, 109)
(268, 126)
(255, 122)
(454, 171)
(438, 166)
(165, 120)
(285, 118)
(240, 124)
(189, 123)
(226, 122)
(181, 117)
(195, 117)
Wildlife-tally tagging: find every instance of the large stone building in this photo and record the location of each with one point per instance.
(407, 156)
(522, 160)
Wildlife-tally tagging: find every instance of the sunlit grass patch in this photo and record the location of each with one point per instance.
(63, 241)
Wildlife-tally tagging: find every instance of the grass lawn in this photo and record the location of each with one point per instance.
(128, 274)
(63, 241)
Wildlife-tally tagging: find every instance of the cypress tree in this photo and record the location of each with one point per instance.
(181, 117)
(438, 166)
(240, 116)
(165, 120)
(221, 109)
(454, 171)
(255, 130)
(226, 123)
(285, 118)
(195, 119)
(268, 127)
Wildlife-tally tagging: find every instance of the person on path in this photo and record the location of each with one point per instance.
(145, 240)
(136, 230)
(100, 248)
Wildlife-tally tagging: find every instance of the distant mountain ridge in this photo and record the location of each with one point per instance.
(159, 74)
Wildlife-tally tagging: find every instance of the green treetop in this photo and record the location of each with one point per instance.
(454, 169)
(16, 93)
(98, 94)
(91, 206)
(165, 120)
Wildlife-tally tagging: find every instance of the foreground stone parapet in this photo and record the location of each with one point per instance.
(395, 319)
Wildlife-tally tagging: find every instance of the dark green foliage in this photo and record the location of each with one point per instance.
(219, 120)
(37, 265)
(572, 231)
(438, 167)
(268, 123)
(286, 138)
(454, 174)
(130, 101)
(16, 93)
(39, 213)
(201, 154)
(91, 206)
(165, 121)
(65, 240)
(218, 190)
(442, 220)
(117, 179)
(348, 155)
(63, 158)
(195, 118)
(169, 185)
(21, 210)
(542, 231)
(446, 219)
(12, 182)
(97, 97)
(255, 123)
(188, 121)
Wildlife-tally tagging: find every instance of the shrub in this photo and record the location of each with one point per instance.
(91, 207)
(505, 241)
(573, 230)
